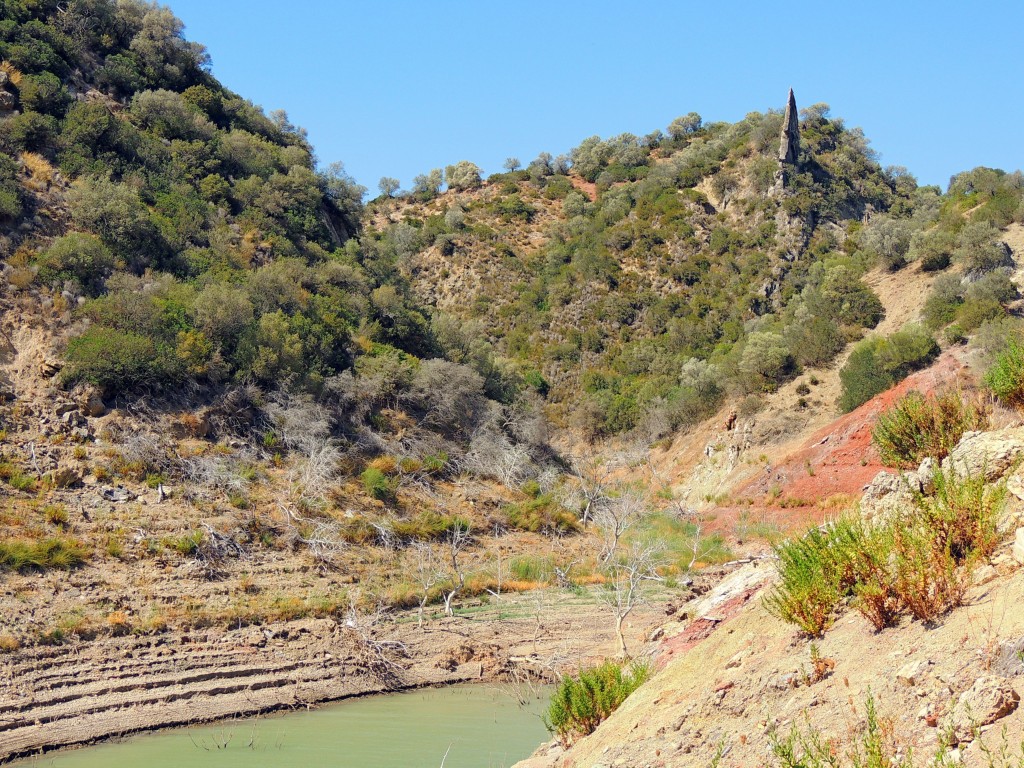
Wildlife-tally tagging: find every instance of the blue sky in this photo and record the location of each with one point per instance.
(397, 88)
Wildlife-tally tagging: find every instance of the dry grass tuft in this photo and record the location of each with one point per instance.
(13, 73)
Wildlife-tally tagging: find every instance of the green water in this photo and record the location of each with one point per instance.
(478, 726)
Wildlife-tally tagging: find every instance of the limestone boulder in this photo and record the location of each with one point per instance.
(991, 698)
(992, 453)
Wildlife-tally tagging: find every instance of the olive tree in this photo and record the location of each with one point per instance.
(685, 125)
(462, 175)
(388, 186)
(428, 185)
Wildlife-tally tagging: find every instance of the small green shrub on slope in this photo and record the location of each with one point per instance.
(918, 426)
(1006, 376)
(919, 563)
(54, 552)
(582, 701)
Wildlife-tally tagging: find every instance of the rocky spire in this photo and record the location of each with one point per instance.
(789, 142)
(789, 146)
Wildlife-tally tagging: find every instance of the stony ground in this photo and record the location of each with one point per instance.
(733, 677)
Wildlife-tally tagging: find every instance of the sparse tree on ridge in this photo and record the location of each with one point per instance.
(685, 125)
(388, 186)
(428, 185)
(462, 175)
(511, 164)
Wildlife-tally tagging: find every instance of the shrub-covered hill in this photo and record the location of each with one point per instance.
(639, 281)
(184, 244)
(188, 244)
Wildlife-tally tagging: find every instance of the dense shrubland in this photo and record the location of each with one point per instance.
(199, 252)
(686, 281)
(199, 247)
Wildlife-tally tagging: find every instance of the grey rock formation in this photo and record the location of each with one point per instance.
(789, 145)
(789, 142)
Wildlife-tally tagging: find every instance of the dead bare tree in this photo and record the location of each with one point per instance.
(456, 542)
(700, 545)
(428, 574)
(628, 575)
(378, 655)
(616, 515)
(593, 482)
(320, 536)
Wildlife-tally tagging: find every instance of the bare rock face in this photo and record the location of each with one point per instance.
(991, 453)
(91, 403)
(892, 493)
(1018, 546)
(989, 699)
(789, 142)
(789, 149)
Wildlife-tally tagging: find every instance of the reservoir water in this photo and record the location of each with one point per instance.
(466, 726)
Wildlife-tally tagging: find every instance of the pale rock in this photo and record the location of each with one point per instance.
(926, 474)
(988, 700)
(50, 368)
(65, 477)
(92, 404)
(984, 574)
(993, 453)
(912, 673)
(1018, 546)
(1015, 486)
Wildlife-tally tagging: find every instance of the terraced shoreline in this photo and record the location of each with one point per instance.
(53, 697)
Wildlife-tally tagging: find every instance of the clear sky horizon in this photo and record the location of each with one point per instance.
(397, 88)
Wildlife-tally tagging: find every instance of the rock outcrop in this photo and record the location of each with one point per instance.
(789, 144)
(992, 453)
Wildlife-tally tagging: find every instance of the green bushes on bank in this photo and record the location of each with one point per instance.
(582, 701)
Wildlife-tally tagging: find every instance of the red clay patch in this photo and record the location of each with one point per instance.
(839, 458)
(701, 629)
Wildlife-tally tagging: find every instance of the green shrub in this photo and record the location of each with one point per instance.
(118, 361)
(582, 701)
(531, 568)
(878, 363)
(377, 484)
(918, 426)
(816, 572)
(429, 525)
(919, 563)
(77, 256)
(54, 552)
(541, 514)
(187, 544)
(1006, 376)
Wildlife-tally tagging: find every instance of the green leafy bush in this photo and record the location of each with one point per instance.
(1006, 376)
(118, 361)
(582, 701)
(77, 256)
(878, 363)
(816, 572)
(918, 426)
